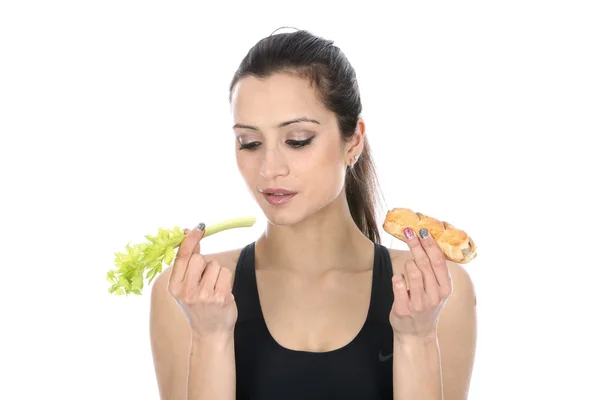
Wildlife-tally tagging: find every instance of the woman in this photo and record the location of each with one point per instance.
(316, 308)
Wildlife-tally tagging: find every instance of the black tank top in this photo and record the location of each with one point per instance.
(265, 370)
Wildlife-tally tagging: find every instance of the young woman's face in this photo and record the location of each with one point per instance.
(286, 139)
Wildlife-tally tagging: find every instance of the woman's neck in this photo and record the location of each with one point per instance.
(328, 240)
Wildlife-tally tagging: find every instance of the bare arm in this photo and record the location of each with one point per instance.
(212, 369)
(208, 362)
(426, 368)
(417, 370)
(457, 335)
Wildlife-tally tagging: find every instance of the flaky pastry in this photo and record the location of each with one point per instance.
(456, 245)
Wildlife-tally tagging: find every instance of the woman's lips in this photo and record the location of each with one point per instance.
(275, 200)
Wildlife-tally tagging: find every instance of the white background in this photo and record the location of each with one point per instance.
(114, 121)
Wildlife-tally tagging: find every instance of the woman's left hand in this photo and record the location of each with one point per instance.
(416, 308)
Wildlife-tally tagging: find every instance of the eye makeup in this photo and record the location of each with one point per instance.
(295, 144)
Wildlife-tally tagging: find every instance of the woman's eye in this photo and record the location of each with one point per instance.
(293, 143)
(300, 143)
(250, 146)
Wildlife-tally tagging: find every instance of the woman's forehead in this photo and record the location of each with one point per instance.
(273, 100)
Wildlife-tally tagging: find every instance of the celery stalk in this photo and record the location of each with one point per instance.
(149, 257)
(243, 222)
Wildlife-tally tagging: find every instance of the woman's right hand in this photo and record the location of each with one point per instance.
(202, 289)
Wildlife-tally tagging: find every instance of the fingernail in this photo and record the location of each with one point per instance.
(400, 283)
(424, 234)
(201, 226)
(409, 233)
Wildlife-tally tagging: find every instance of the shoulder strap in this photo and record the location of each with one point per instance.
(382, 294)
(245, 290)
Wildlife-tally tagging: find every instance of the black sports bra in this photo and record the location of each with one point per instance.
(265, 370)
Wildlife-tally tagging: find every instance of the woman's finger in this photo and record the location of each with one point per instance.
(400, 293)
(415, 281)
(430, 284)
(439, 266)
(209, 278)
(224, 285)
(184, 253)
(197, 248)
(195, 270)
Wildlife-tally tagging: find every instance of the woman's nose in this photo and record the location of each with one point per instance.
(273, 164)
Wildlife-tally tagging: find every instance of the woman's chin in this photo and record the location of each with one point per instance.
(281, 217)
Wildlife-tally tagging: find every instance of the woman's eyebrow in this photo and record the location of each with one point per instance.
(281, 125)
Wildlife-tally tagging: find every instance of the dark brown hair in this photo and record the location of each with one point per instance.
(325, 65)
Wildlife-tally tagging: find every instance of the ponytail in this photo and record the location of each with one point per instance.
(362, 189)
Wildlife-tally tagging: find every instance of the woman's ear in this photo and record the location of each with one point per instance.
(356, 145)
